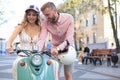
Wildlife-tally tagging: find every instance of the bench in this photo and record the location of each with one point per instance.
(98, 55)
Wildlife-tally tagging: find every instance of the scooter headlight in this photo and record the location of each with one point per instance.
(36, 60)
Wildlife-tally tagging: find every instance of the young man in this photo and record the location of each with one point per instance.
(61, 28)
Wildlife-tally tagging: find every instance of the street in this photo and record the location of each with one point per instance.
(81, 72)
(5, 66)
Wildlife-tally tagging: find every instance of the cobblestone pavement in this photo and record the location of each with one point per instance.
(81, 72)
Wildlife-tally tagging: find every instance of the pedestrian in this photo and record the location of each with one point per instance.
(49, 45)
(84, 51)
(112, 46)
(28, 30)
(61, 28)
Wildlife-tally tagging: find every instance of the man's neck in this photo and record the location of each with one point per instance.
(57, 16)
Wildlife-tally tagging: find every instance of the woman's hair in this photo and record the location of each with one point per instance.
(25, 21)
(50, 5)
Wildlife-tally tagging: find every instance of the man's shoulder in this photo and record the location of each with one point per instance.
(66, 16)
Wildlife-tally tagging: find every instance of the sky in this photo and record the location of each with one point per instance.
(14, 12)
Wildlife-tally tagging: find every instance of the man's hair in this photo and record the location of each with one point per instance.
(49, 5)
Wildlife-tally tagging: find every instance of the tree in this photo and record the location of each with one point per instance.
(113, 26)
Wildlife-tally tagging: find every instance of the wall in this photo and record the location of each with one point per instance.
(103, 45)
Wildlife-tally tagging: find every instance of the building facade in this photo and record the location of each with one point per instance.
(95, 28)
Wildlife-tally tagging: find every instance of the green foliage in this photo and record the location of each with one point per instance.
(83, 5)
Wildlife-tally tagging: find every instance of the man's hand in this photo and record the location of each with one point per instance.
(54, 51)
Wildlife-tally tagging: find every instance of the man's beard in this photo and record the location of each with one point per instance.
(53, 20)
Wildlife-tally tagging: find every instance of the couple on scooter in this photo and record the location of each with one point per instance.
(59, 25)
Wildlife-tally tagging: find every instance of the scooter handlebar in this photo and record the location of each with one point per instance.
(47, 53)
(28, 52)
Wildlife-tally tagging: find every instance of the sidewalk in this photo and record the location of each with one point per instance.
(98, 72)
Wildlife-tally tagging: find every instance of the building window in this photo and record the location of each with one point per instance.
(87, 22)
(94, 37)
(94, 19)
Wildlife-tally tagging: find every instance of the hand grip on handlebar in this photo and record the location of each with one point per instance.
(17, 51)
(65, 50)
(27, 52)
(47, 53)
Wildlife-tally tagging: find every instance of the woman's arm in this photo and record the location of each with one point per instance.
(12, 37)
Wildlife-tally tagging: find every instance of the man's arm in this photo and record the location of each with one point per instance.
(42, 38)
(69, 35)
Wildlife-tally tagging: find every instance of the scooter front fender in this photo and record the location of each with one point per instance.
(28, 71)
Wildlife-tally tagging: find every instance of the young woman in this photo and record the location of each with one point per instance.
(28, 31)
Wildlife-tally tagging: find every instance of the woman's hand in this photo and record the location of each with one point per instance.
(9, 49)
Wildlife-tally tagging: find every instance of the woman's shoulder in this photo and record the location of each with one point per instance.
(18, 28)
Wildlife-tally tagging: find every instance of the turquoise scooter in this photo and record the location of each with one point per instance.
(36, 66)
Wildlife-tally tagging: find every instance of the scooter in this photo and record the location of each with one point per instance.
(36, 66)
